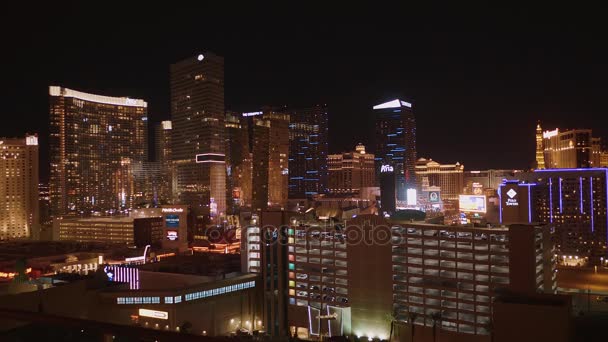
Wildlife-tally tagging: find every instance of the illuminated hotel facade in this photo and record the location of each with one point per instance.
(448, 177)
(478, 181)
(396, 144)
(19, 209)
(197, 141)
(568, 149)
(340, 283)
(351, 171)
(308, 149)
(574, 202)
(127, 231)
(94, 142)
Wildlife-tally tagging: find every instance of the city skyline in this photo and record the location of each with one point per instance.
(465, 83)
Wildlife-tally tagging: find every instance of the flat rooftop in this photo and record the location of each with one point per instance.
(149, 280)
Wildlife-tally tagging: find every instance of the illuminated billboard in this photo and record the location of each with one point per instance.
(172, 235)
(473, 203)
(172, 221)
(412, 196)
(434, 196)
(154, 314)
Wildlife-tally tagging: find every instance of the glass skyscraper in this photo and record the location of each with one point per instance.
(308, 151)
(198, 145)
(396, 144)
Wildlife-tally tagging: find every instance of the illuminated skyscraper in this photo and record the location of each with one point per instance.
(270, 159)
(162, 141)
(238, 160)
(308, 151)
(197, 117)
(396, 144)
(94, 140)
(567, 149)
(540, 157)
(19, 210)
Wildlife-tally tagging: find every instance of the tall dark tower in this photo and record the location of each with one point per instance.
(308, 151)
(198, 146)
(396, 144)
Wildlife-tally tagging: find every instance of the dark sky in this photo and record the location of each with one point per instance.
(479, 78)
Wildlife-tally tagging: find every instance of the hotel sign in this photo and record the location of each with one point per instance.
(512, 198)
(172, 210)
(386, 168)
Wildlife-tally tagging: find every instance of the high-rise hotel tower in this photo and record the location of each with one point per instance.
(94, 140)
(19, 213)
(198, 145)
(396, 144)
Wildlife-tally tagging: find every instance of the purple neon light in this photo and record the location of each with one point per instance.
(566, 170)
(561, 208)
(591, 204)
(580, 190)
(529, 205)
(606, 205)
(551, 199)
(500, 203)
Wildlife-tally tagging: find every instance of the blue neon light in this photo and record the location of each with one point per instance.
(580, 183)
(591, 204)
(566, 170)
(529, 205)
(500, 203)
(551, 199)
(561, 208)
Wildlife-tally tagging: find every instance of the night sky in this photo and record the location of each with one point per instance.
(479, 79)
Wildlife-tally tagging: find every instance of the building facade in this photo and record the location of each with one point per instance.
(94, 142)
(348, 281)
(164, 156)
(396, 144)
(568, 149)
(596, 152)
(270, 159)
(480, 180)
(238, 162)
(540, 157)
(19, 207)
(308, 149)
(113, 230)
(351, 171)
(197, 139)
(448, 177)
(574, 201)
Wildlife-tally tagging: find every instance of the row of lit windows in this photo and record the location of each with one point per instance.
(219, 291)
(138, 300)
(171, 299)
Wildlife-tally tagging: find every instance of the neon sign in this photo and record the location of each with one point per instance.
(386, 168)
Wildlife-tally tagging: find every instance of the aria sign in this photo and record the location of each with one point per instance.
(386, 168)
